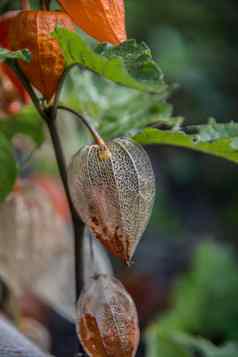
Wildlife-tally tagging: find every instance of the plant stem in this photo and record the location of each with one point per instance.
(78, 225)
(86, 122)
(25, 5)
(15, 67)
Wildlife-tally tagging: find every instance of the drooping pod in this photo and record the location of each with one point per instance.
(107, 322)
(114, 194)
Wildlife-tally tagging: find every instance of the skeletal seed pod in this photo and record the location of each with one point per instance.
(107, 322)
(114, 194)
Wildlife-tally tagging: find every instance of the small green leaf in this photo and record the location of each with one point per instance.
(8, 171)
(27, 122)
(20, 54)
(211, 142)
(129, 64)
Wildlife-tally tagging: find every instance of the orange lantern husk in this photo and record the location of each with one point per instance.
(102, 19)
(5, 25)
(33, 30)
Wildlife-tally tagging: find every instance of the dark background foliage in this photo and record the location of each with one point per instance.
(196, 45)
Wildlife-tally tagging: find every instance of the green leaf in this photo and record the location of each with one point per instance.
(115, 111)
(20, 54)
(214, 131)
(129, 64)
(8, 171)
(133, 112)
(27, 122)
(213, 139)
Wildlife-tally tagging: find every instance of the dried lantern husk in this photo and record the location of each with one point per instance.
(107, 322)
(114, 196)
(31, 233)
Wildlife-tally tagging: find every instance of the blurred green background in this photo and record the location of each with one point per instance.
(190, 251)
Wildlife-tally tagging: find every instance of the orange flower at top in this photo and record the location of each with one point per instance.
(101, 19)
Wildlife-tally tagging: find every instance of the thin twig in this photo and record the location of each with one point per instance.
(14, 65)
(86, 122)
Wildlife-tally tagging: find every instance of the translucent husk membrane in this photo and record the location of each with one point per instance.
(114, 196)
(107, 322)
(31, 234)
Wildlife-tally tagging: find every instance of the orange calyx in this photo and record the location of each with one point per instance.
(102, 19)
(32, 30)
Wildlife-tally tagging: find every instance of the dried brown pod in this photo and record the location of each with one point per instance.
(114, 194)
(107, 322)
(31, 234)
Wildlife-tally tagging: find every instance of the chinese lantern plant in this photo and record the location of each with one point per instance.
(110, 185)
(47, 64)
